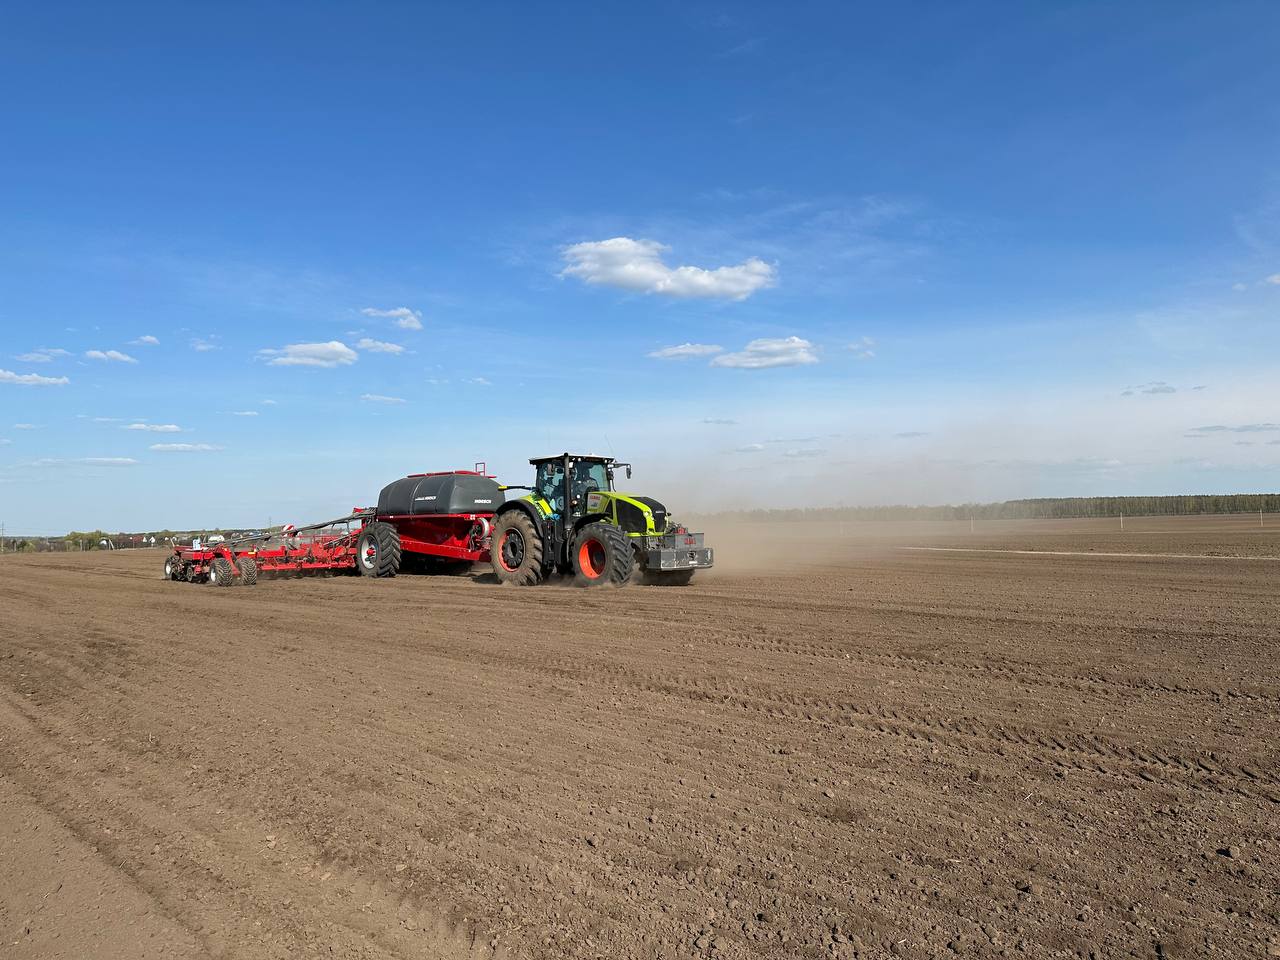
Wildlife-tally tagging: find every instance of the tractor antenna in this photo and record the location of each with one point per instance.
(609, 443)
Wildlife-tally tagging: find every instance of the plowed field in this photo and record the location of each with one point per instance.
(829, 746)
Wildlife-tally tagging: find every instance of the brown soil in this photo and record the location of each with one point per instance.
(830, 746)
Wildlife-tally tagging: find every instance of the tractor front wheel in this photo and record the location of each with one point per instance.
(378, 550)
(171, 568)
(516, 551)
(602, 554)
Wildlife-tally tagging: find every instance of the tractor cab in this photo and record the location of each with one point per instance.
(572, 477)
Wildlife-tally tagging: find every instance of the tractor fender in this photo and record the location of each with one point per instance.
(523, 505)
(583, 521)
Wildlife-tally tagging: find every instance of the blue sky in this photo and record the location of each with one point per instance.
(261, 259)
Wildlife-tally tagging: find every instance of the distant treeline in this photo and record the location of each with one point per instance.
(1049, 508)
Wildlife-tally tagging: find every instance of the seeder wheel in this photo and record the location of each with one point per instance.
(220, 574)
(248, 571)
(378, 550)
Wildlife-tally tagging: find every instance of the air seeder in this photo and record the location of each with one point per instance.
(572, 522)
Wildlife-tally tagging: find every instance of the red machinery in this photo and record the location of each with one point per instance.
(443, 516)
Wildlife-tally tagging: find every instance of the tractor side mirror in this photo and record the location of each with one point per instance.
(628, 471)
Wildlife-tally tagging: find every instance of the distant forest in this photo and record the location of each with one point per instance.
(1049, 508)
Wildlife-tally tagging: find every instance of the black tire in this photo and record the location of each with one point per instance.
(378, 550)
(248, 571)
(602, 554)
(171, 567)
(667, 578)
(516, 553)
(220, 573)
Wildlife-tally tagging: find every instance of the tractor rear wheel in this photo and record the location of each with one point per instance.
(171, 568)
(378, 550)
(602, 554)
(248, 571)
(667, 578)
(516, 553)
(220, 573)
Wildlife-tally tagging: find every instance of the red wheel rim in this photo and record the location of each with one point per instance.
(591, 559)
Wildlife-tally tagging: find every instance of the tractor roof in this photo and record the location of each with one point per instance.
(572, 456)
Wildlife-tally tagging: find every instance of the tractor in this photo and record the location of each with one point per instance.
(575, 523)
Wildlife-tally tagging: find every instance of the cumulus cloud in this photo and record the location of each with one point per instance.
(31, 379)
(203, 344)
(331, 354)
(378, 346)
(686, 351)
(764, 353)
(42, 355)
(750, 448)
(1274, 279)
(380, 398)
(637, 265)
(405, 318)
(183, 447)
(146, 340)
(113, 355)
(154, 427)
(248, 413)
(25, 426)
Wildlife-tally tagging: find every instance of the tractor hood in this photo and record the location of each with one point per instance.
(637, 514)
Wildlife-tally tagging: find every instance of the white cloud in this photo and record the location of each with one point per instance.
(686, 351)
(1239, 287)
(31, 379)
(1274, 279)
(378, 346)
(637, 265)
(145, 340)
(154, 427)
(804, 454)
(114, 355)
(25, 426)
(863, 348)
(331, 354)
(720, 421)
(380, 398)
(42, 355)
(247, 413)
(478, 381)
(203, 345)
(83, 461)
(764, 353)
(405, 318)
(4, 441)
(183, 447)
(750, 448)
(270, 403)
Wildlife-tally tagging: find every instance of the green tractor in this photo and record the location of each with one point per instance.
(575, 523)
